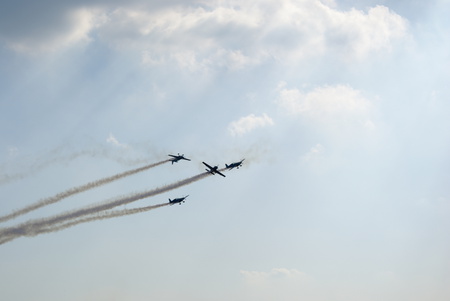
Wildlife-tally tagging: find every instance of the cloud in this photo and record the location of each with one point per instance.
(238, 35)
(355, 34)
(274, 274)
(248, 124)
(12, 151)
(332, 106)
(72, 28)
(230, 34)
(113, 140)
(314, 153)
(278, 284)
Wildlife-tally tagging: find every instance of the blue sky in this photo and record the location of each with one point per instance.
(339, 107)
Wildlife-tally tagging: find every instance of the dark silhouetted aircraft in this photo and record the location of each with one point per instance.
(178, 200)
(235, 164)
(213, 170)
(178, 158)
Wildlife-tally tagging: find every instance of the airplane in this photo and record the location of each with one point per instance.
(178, 158)
(213, 170)
(235, 164)
(178, 200)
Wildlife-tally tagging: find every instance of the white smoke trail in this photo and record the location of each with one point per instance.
(99, 216)
(72, 191)
(31, 227)
(38, 163)
(59, 155)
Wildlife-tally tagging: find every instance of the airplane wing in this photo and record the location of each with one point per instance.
(219, 173)
(206, 164)
(173, 156)
(186, 159)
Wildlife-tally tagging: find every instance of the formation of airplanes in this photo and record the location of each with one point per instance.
(211, 169)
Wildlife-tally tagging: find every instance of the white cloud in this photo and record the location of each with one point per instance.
(225, 33)
(235, 34)
(75, 29)
(314, 153)
(249, 123)
(278, 284)
(113, 140)
(276, 273)
(12, 151)
(333, 106)
(355, 34)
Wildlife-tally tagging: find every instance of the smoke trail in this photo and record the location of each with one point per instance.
(57, 155)
(76, 190)
(6, 239)
(41, 162)
(31, 227)
(99, 216)
(38, 164)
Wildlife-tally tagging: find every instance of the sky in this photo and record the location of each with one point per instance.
(339, 107)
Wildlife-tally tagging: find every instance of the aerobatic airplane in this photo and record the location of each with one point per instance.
(178, 158)
(213, 170)
(178, 200)
(235, 164)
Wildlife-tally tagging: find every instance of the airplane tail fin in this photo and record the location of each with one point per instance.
(226, 165)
